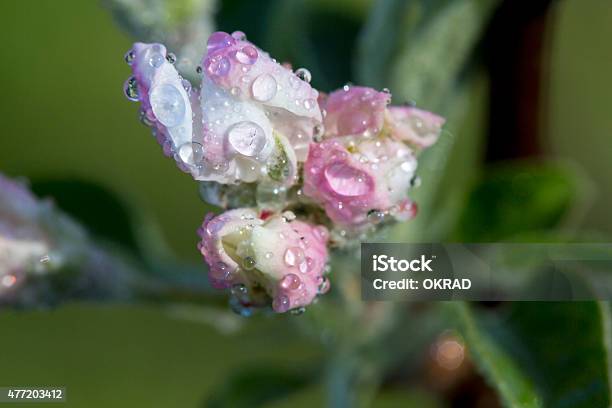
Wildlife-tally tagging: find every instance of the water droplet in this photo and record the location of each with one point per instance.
(298, 311)
(240, 292)
(249, 263)
(129, 57)
(145, 118)
(171, 57)
(156, 60)
(304, 74)
(343, 179)
(247, 55)
(219, 40)
(309, 103)
(409, 166)
(318, 132)
(281, 304)
(247, 138)
(168, 104)
(186, 85)
(220, 271)
(376, 216)
(290, 282)
(269, 255)
(264, 87)
(191, 153)
(130, 89)
(288, 216)
(217, 65)
(294, 256)
(239, 36)
(199, 69)
(323, 285)
(235, 91)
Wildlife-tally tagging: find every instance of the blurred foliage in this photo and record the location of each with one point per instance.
(249, 387)
(542, 354)
(518, 198)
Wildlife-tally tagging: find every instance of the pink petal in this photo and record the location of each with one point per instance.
(415, 126)
(354, 110)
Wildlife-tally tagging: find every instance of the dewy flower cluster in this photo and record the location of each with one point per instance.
(298, 171)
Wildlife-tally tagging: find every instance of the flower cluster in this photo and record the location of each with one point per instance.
(298, 171)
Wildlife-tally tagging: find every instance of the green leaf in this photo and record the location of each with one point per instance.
(441, 196)
(519, 198)
(103, 213)
(425, 71)
(515, 388)
(258, 385)
(553, 354)
(391, 26)
(419, 48)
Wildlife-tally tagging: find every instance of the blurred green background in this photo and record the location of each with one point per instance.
(65, 117)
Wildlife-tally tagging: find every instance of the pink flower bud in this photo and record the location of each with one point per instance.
(252, 119)
(414, 126)
(362, 171)
(360, 181)
(355, 110)
(279, 260)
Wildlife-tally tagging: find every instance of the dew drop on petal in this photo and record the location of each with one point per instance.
(294, 256)
(264, 87)
(218, 65)
(298, 311)
(129, 57)
(191, 152)
(156, 60)
(304, 74)
(344, 180)
(168, 104)
(247, 138)
(248, 263)
(240, 292)
(186, 85)
(309, 103)
(219, 40)
(247, 55)
(281, 304)
(171, 57)
(130, 89)
(409, 166)
(323, 284)
(376, 217)
(239, 36)
(290, 282)
(318, 132)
